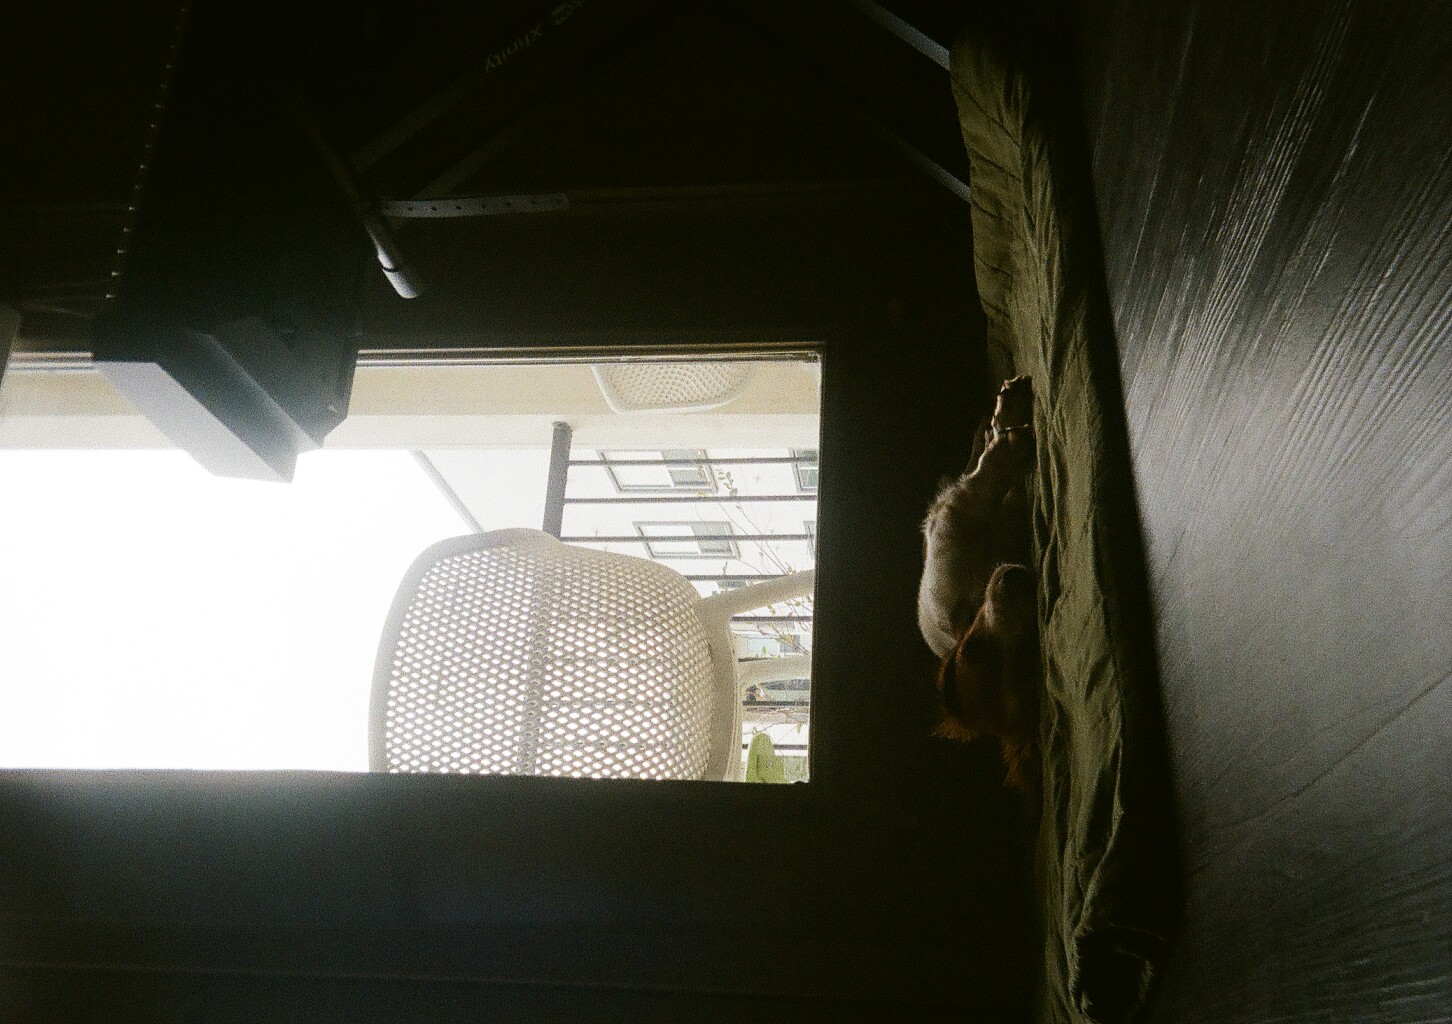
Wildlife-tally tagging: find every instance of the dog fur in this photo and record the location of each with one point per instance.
(977, 606)
(989, 685)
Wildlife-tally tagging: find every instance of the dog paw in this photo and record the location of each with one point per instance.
(1015, 404)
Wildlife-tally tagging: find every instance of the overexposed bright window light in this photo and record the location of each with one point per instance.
(154, 616)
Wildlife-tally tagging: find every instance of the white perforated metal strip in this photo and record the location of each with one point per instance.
(662, 387)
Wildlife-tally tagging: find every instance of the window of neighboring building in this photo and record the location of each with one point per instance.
(674, 469)
(710, 539)
(806, 469)
(733, 584)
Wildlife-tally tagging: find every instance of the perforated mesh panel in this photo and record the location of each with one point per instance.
(550, 661)
(662, 387)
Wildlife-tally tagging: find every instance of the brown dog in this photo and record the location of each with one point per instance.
(989, 685)
(976, 604)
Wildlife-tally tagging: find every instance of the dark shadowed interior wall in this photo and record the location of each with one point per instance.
(1275, 194)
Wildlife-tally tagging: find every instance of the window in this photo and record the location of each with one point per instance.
(709, 539)
(296, 580)
(806, 469)
(780, 693)
(724, 583)
(674, 469)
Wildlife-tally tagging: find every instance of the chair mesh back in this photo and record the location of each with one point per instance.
(671, 387)
(547, 660)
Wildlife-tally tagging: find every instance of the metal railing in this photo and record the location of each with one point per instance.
(558, 500)
(787, 628)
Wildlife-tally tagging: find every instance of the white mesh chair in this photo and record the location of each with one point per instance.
(512, 653)
(671, 387)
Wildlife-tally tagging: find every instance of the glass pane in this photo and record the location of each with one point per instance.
(160, 617)
(688, 539)
(806, 469)
(659, 471)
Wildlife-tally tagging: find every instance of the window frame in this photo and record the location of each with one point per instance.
(801, 465)
(700, 462)
(692, 526)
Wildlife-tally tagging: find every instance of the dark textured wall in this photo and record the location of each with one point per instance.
(1274, 183)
